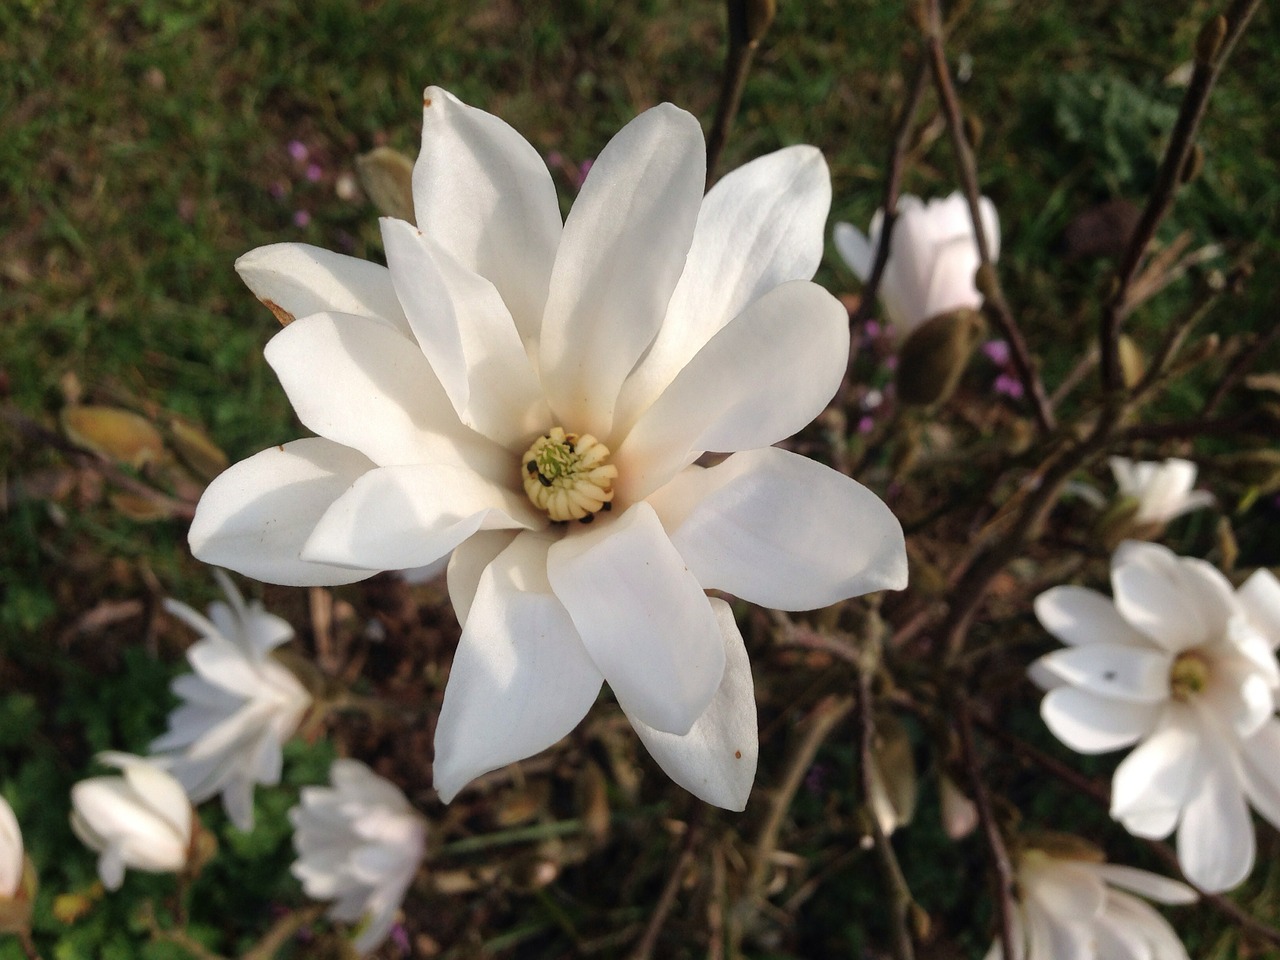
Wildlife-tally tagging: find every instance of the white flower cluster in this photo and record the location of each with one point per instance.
(1182, 664)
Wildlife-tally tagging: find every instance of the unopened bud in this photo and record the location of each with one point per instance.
(387, 177)
(1063, 846)
(1193, 165)
(1118, 523)
(959, 813)
(1210, 40)
(934, 356)
(1227, 545)
(1133, 365)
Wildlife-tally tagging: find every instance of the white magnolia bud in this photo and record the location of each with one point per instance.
(141, 820)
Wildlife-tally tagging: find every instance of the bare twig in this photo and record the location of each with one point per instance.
(896, 889)
(987, 281)
(892, 186)
(1239, 366)
(184, 509)
(749, 20)
(1213, 47)
(820, 722)
(667, 899)
(282, 931)
(990, 829)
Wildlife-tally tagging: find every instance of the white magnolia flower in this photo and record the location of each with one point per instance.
(1185, 667)
(238, 707)
(359, 844)
(510, 378)
(932, 257)
(1162, 490)
(11, 854)
(142, 820)
(1070, 909)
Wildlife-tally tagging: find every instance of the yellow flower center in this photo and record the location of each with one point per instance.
(1189, 674)
(569, 476)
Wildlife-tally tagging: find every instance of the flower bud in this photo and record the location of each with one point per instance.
(141, 820)
(1133, 365)
(893, 775)
(935, 355)
(959, 813)
(387, 177)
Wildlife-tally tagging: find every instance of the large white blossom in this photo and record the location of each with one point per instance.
(1162, 490)
(1068, 909)
(12, 858)
(141, 820)
(932, 257)
(508, 372)
(238, 707)
(359, 843)
(1183, 665)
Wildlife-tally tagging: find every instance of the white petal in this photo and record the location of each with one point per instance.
(1260, 598)
(642, 616)
(1215, 836)
(300, 280)
(160, 792)
(1070, 893)
(467, 563)
(782, 531)
(468, 336)
(359, 383)
(408, 516)
(481, 190)
(255, 517)
(1158, 776)
(990, 226)
(1114, 671)
(1156, 604)
(763, 377)
(1147, 884)
(11, 858)
(521, 678)
(1260, 763)
(1088, 723)
(716, 759)
(951, 284)
(1077, 615)
(1238, 694)
(759, 226)
(622, 251)
(855, 250)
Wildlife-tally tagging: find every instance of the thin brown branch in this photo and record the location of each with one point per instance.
(892, 187)
(749, 20)
(666, 900)
(1245, 422)
(988, 281)
(1239, 366)
(896, 889)
(183, 509)
(1213, 47)
(990, 829)
(817, 726)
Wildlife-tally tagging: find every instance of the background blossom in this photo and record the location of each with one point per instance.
(1183, 665)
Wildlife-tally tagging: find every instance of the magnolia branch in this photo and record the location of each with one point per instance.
(1213, 47)
(988, 282)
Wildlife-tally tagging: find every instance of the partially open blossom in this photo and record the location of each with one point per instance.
(932, 257)
(532, 395)
(359, 843)
(1183, 665)
(238, 707)
(1160, 490)
(12, 857)
(141, 820)
(1069, 909)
